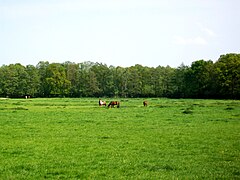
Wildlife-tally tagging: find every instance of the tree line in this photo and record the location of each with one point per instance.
(202, 79)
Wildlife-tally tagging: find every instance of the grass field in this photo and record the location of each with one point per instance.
(76, 139)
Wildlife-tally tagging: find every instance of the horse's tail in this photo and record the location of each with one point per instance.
(118, 104)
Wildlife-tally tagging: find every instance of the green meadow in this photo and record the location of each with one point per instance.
(65, 138)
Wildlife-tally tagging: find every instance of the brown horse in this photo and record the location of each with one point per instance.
(102, 103)
(145, 103)
(113, 103)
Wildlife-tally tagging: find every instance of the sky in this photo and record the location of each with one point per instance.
(118, 32)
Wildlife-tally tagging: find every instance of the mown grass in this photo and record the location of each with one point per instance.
(76, 139)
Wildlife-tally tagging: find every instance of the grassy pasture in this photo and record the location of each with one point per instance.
(76, 139)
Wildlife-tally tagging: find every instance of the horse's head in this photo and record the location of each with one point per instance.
(145, 103)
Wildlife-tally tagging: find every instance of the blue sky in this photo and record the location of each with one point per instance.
(118, 32)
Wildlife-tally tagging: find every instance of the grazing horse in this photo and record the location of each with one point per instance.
(113, 103)
(145, 103)
(102, 103)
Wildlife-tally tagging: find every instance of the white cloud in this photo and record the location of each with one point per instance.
(209, 32)
(189, 41)
(206, 30)
(204, 33)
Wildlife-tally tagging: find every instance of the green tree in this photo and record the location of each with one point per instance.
(33, 80)
(92, 87)
(104, 79)
(84, 79)
(179, 81)
(198, 79)
(44, 90)
(73, 76)
(134, 84)
(14, 80)
(163, 81)
(148, 82)
(2, 80)
(168, 83)
(227, 72)
(121, 81)
(157, 81)
(56, 80)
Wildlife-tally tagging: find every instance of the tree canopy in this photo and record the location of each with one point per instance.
(203, 79)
